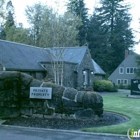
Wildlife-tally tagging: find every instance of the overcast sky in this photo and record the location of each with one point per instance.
(20, 6)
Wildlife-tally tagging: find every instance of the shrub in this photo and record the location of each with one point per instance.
(128, 87)
(104, 85)
(121, 86)
(114, 89)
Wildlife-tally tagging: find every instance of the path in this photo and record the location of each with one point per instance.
(120, 91)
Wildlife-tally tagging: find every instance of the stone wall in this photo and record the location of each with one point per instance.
(15, 101)
(36, 74)
(68, 70)
(71, 77)
(1, 67)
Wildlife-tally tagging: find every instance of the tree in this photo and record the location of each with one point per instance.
(64, 34)
(19, 34)
(77, 8)
(1, 8)
(10, 31)
(137, 59)
(48, 29)
(9, 18)
(1, 17)
(109, 33)
(35, 15)
(63, 30)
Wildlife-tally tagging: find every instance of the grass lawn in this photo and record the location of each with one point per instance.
(120, 104)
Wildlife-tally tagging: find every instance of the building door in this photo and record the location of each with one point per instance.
(85, 78)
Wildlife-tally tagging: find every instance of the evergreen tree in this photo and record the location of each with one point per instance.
(137, 60)
(35, 16)
(10, 23)
(77, 7)
(1, 8)
(1, 17)
(109, 33)
(9, 30)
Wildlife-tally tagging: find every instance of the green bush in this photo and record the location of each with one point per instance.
(128, 87)
(121, 86)
(104, 85)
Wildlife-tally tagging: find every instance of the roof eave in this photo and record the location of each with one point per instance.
(100, 73)
(26, 70)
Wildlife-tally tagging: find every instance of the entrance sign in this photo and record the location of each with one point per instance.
(135, 87)
(40, 93)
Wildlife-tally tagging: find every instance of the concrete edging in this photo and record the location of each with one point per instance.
(61, 130)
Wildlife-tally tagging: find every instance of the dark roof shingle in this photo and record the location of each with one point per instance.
(68, 54)
(98, 69)
(18, 56)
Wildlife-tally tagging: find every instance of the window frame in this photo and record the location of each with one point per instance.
(129, 68)
(120, 70)
(123, 83)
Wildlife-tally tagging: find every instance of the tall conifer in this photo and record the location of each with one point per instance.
(77, 7)
(109, 33)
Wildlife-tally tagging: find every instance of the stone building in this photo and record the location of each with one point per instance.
(79, 69)
(24, 58)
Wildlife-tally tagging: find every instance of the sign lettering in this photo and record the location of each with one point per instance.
(40, 93)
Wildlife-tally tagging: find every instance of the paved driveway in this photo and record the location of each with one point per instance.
(120, 91)
(23, 133)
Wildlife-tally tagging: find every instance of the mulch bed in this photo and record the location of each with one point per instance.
(67, 124)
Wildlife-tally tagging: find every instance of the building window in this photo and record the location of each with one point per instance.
(85, 77)
(121, 70)
(130, 70)
(122, 81)
(118, 81)
(125, 81)
(127, 70)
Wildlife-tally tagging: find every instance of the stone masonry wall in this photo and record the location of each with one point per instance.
(15, 101)
(68, 78)
(1, 67)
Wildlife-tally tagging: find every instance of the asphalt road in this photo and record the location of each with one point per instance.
(24, 133)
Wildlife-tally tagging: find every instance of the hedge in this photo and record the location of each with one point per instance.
(104, 85)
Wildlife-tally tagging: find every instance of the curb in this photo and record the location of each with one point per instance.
(61, 130)
(2, 121)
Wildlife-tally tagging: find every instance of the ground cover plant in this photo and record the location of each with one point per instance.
(119, 103)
